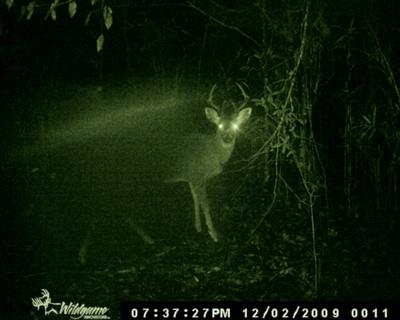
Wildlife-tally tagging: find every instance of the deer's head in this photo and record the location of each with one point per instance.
(228, 126)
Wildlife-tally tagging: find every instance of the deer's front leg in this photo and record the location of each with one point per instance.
(202, 194)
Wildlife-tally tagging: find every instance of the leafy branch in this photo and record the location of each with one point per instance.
(104, 11)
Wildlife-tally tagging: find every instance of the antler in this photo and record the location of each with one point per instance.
(245, 96)
(45, 293)
(210, 98)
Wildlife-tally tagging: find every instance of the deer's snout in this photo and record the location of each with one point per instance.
(228, 137)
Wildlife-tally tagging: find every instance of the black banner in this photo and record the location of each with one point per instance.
(142, 310)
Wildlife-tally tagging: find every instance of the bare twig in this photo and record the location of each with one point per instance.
(223, 24)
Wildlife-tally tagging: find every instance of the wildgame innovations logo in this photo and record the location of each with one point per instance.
(74, 310)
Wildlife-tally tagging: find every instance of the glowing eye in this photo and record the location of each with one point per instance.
(235, 126)
(220, 126)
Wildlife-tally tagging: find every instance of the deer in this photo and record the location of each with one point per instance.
(198, 157)
(203, 156)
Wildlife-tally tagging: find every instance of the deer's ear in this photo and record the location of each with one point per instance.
(212, 115)
(244, 115)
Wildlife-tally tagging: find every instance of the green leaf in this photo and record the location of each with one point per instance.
(72, 8)
(93, 2)
(52, 10)
(53, 15)
(366, 119)
(107, 15)
(87, 20)
(9, 3)
(30, 9)
(100, 42)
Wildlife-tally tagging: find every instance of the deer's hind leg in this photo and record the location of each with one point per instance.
(197, 219)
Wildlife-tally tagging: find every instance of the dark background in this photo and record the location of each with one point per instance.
(307, 208)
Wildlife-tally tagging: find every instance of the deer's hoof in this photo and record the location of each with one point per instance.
(213, 235)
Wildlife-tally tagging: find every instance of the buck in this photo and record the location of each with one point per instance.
(196, 158)
(202, 157)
